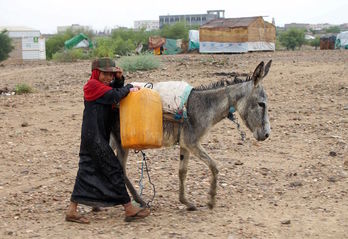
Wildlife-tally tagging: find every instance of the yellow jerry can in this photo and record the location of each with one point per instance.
(141, 120)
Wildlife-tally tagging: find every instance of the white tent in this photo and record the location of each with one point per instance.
(342, 40)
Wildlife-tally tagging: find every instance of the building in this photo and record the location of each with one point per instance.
(28, 43)
(235, 35)
(297, 25)
(191, 19)
(149, 25)
(73, 27)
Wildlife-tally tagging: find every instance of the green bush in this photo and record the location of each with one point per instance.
(139, 63)
(333, 29)
(178, 30)
(124, 47)
(70, 55)
(56, 43)
(23, 89)
(292, 38)
(104, 47)
(315, 42)
(5, 46)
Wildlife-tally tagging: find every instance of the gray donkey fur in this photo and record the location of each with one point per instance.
(206, 106)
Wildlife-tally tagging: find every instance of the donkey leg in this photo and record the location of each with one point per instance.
(199, 152)
(184, 157)
(122, 155)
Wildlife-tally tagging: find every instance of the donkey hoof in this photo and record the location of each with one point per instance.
(211, 205)
(191, 208)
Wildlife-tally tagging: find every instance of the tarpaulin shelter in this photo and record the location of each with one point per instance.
(193, 40)
(234, 35)
(327, 42)
(78, 41)
(342, 40)
(172, 46)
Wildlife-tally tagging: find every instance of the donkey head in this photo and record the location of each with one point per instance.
(254, 106)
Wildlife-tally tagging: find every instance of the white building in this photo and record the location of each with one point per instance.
(28, 43)
(149, 25)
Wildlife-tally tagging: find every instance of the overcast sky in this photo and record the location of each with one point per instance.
(46, 15)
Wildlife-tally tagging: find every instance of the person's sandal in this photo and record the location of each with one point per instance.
(142, 213)
(77, 219)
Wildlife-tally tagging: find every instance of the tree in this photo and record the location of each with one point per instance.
(5, 46)
(292, 38)
(334, 29)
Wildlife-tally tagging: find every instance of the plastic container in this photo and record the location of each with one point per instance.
(141, 120)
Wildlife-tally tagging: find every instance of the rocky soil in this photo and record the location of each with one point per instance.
(293, 185)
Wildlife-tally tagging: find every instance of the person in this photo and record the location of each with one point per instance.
(100, 178)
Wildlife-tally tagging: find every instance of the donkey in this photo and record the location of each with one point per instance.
(206, 106)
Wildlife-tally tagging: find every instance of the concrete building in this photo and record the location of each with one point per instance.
(297, 25)
(73, 27)
(149, 25)
(192, 19)
(28, 43)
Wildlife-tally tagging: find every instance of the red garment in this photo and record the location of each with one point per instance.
(94, 89)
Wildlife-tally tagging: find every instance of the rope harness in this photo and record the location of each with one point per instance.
(232, 117)
(141, 184)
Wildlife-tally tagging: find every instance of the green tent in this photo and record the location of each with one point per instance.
(80, 40)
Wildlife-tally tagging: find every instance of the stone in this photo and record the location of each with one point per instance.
(286, 222)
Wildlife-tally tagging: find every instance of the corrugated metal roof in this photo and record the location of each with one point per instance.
(230, 22)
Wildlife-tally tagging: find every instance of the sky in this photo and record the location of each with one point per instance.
(46, 15)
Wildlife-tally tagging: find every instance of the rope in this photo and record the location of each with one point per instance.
(235, 120)
(141, 184)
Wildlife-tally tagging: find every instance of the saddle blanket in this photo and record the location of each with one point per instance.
(174, 95)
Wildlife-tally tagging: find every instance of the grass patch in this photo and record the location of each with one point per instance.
(23, 89)
(139, 63)
(70, 55)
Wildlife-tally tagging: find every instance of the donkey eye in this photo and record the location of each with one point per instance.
(261, 104)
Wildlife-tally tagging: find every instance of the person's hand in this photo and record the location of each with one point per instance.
(129, 86)
(135, 88)
(119, 72)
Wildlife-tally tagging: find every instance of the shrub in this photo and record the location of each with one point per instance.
(56, 43)
(5, 46)
(124, 47)
(23, 89)
(70, 55)
(292, 38)
(141, 63)
(178, 30)
(104, 47)
(333, 29)
(315, 42)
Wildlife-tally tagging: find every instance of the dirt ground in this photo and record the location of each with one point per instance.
(293, 185)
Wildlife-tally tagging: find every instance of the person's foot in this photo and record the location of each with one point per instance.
(133, 213)
(75, 217)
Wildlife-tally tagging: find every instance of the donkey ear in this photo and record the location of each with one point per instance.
(258, 73)
(268, 65)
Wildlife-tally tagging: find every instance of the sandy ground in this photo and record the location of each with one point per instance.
(293, 185)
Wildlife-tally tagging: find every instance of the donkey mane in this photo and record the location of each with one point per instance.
(222, 83)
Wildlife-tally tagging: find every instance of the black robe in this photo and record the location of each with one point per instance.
(100, 177)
